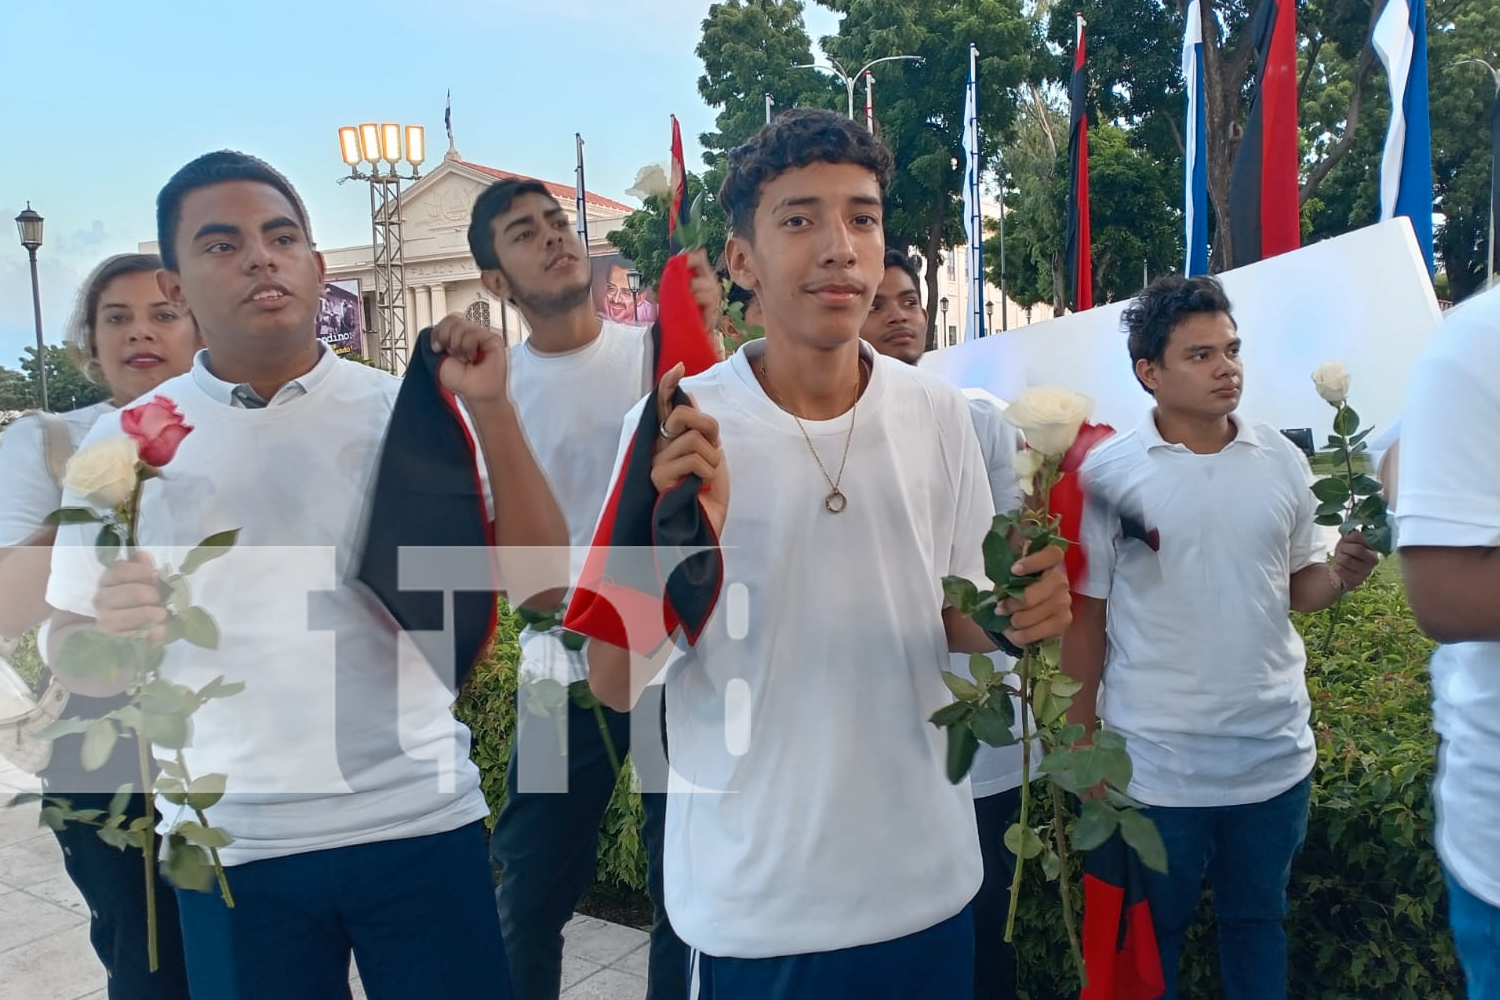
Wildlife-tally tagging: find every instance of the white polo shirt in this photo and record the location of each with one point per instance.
(1449, 488)
(343, 734)
(571, 406)
(1204, 674)
(811, 811)
(29, 493)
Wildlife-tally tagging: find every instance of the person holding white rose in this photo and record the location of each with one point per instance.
(126, 336)
(1181, 634)
(897, 328)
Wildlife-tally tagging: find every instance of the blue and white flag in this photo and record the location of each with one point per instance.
(1195, 202)
(973, 220)
(1400, 41)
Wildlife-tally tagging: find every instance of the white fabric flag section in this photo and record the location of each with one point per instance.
(973, 222)
(1195, 203)
(1393, 42)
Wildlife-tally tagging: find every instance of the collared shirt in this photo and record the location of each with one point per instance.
(243, 397)
(1204, 672)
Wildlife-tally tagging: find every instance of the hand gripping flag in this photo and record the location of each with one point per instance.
(1067, 498)
(428, 494)
(1119, 940)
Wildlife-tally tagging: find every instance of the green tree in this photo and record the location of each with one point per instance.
(15, 391)
(643, 236)
(67, 389)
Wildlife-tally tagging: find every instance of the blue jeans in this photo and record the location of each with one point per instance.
(994, 959)
(546, 844)
(417, 915)
(932, 964)
(1247, 853)
(1476, 931)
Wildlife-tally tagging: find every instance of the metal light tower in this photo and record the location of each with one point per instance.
(373, 145)
(851, 80)
(29, 223)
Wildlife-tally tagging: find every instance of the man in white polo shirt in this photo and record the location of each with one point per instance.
(356, 814)
(1200, 539)
(1448, 526)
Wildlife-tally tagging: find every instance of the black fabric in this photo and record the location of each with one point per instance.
(427, 494)
(1077, 235)
(1245, 172)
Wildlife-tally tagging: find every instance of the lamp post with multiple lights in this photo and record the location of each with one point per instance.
(372, 152)
(29, 223)
(851, 80)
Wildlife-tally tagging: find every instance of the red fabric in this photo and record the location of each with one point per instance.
(1080, 236)
(684, 338)
(1067, 498)
(679, 184)
(1119, 945)
(1280, 207)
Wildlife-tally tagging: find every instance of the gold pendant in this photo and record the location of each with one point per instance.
(835, 501)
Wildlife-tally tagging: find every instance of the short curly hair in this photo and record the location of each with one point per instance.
(1152, 316)
(797, 138)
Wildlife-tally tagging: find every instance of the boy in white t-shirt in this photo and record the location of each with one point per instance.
(897, 328)
(573, 379)
(356, 814)
(1448, 527)
(815, 847)
(1200, 539)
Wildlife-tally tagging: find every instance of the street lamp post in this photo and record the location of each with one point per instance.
(29, 223)
(943, 306)
(633, 279)
(1489, 268)
(373, 145)
(851, 80)
(989, 315)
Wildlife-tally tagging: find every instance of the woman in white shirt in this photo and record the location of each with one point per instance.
(128, 337)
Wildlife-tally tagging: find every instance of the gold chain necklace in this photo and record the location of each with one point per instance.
(835, 501)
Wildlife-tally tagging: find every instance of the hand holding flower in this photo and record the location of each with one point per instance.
(128, 599)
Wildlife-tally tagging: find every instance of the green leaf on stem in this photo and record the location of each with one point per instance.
(54, 817)
(165, 730)
(982, 667)
(199, 628)
(998, 558)
(72, 515)
(1141, 834)
(173, 629)
(204, 793)
(209, 549)
(175, 591)
(1116, 766)
(107, 545)
(1057, 762)
(1023, 841)
(950, 714)
(1088, 767)
(1378, 537)
(1331, 520)
(89, 654)
(172, 789)
(121, 799)
(1096, 824)
(1366, 485)
(986, 614)
(962, 745)
(220, 688)
(1108, 739)
(98, 744)
(1346, 421)
(1360, 437)
(990, 727)
(64, 727)
(1051, 865)
(187, 866)
(961, 687)
(1371, 509)
(1330, 507)
(115, 837)
(1331, 490)
(203, 836)
(1065, 686)
(960, 593)
(23, 799)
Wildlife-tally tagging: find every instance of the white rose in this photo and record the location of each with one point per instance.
(1027, 464)
(1332, 380)
(1049, 418)
(104, 473)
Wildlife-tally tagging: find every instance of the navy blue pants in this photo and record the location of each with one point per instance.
(417, 915)
(113, 884)
(934, 964)
(546, 843)
(994, 959)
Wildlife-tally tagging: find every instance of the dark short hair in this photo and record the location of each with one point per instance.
(209, 169)
(493, 202)
(898, 258)
(798, 138)
(1155, 313)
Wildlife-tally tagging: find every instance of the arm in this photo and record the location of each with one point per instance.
(1316, 587)
(1043, 612)
(689, 445)
(23, 583)
(1083, 649)
(127, 601)
(1452, 591)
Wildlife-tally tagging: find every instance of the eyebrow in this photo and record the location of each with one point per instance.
(528, 219)
(864, 200)
(280, 222)
(126, 305)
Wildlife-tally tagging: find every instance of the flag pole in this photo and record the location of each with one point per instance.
(976, 219)
(581, 196)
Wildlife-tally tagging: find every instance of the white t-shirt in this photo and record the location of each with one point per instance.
(1449, 489)
(996, 769)
(571, 406)
(330, 744)
(811, 811)
(1204, 674)
(29, 493)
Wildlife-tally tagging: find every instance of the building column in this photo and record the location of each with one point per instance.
(424, 307)
(412, 326)
(439, 301)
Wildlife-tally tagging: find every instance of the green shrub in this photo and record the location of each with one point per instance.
(488, 707)
(1368, 915)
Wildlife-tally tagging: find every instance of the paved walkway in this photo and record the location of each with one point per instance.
(44, 935)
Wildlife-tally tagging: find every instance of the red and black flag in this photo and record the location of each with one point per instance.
(1119, 940)
(680, 204)
(655, 563)
(1079, 252)
(1264, 208)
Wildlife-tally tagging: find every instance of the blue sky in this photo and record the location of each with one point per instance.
(105, 100)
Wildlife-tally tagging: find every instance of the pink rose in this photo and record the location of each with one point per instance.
(157, 428)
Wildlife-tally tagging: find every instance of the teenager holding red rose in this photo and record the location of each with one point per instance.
(126, 335)
(356, 813)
